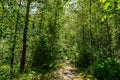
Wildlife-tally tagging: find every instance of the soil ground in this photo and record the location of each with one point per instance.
(66, 72)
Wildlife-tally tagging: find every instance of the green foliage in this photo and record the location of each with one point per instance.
(85, 58)
(107, 69)
(72, 54)
(82, 30)
(4, 72)
(25, 76)
(45, 54)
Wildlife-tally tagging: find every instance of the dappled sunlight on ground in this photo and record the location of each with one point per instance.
(66, 72)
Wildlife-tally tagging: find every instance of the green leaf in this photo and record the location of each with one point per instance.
(103, 1)
(118, 7)
(103, 19)
(107, 4)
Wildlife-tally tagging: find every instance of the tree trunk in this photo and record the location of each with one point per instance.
(90, 4)
(23, 56)
(14, 44)
(109, 40)
(3, 8)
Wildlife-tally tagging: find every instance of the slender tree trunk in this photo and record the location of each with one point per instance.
(23, 56)
(83, 37)
(2, 9)
(14, 44)
(109, 39)
(117, 28)
(90, 4)
(41, 21)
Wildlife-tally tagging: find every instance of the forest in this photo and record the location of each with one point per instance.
(59, 39)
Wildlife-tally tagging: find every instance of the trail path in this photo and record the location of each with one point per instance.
(69, 72)
(66, 72)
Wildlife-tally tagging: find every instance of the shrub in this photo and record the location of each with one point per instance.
(85, 58)
(107, 69)
(4, 72)
(44, 55)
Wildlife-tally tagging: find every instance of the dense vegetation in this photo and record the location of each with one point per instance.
(37, 35)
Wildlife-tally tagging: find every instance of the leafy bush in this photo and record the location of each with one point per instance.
(85, 58)
(44, 55)
(72, 54)
(26, 76)
(4, 72)
(107, 69)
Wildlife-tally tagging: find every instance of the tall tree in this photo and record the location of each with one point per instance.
(90, 13)
(23, 56)
(14, 41)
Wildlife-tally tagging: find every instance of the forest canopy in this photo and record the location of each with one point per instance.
(40, 39)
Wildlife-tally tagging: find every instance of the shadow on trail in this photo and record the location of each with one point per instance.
(65, 72)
